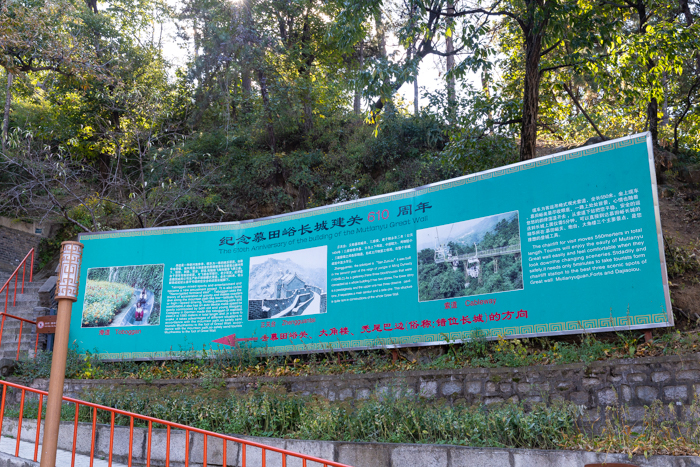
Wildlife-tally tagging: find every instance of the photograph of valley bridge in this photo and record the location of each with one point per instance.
(284, 285)
(474, 257)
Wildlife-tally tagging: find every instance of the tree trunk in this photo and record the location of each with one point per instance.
(262, 80)
(6, 115)
(416, 95)
(531, 91)
(665, 119)
(357, 103)
(381, 37)
(653, 105)
(653, 116)
(307, 60)
(685, 8)
(449, 49)
(246, 82)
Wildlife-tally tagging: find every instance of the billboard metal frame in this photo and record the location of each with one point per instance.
(331, 348)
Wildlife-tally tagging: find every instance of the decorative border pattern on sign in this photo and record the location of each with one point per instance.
(616, 323)
(382, 199)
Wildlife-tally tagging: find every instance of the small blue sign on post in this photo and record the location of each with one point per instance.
(563, 244)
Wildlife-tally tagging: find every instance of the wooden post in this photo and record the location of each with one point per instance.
(66, 293)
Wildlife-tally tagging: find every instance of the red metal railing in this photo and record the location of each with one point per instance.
(244, 444)
(6, 288)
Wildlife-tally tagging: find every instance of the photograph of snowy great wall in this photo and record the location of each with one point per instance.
(284, 285)
(473, 257)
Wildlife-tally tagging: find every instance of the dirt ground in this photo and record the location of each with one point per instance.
(679, 205)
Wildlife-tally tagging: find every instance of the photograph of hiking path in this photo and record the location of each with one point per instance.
(473, 257)
(123, 296)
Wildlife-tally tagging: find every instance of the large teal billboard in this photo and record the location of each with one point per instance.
(562, 244)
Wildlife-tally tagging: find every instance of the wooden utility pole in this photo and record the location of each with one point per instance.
(66, 293)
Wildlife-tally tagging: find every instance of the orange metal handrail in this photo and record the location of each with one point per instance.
(151, 420)
(6, 288)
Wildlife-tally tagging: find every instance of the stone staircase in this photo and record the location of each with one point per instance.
(26, 306)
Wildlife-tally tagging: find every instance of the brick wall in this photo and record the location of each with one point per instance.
(14, 245)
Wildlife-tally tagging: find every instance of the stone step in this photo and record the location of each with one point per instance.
(27, 344)
(24, 305)
(23, 311)
(13, 324)
(27, 283)
(27, 295)
(25, 301)
(23, 308)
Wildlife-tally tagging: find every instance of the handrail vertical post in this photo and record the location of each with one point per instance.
(148, 449)
(2, 407)
(14, 296)
(19, 423)
(187, 448)
(131, 438)
(66, 293)
(19, 338)
(31, 266)
(38, 428)
(111, 440)
(167, 447)
(24, 269)
(223, 455)
(204, 454)
(93, 436)
(75, 434)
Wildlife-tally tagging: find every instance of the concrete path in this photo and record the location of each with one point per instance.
(63, 458)
(128, 317)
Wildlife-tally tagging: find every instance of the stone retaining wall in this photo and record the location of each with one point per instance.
(635, 383)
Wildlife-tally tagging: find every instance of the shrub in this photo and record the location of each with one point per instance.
(103, 300)
(398, 418)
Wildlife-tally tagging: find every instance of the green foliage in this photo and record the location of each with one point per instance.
(103, 300)
(149, 276)
(681, 260)
(397, 419)
(658, 433)
(77, 366)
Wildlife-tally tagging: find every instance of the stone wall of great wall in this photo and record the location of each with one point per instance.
(256, 310)
(318, 290)
(634, 383)
(275, 305)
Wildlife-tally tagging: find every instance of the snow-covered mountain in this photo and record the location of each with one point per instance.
(264, 276)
